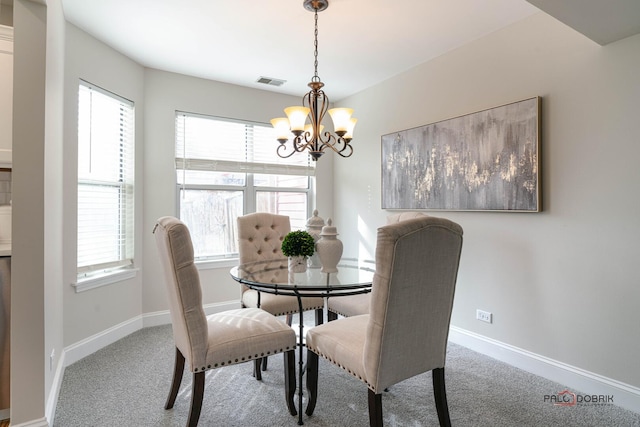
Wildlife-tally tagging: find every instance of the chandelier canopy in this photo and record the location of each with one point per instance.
(315, 104)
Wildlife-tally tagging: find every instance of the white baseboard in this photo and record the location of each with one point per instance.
(624, 395)
(91, 344)
(42, 422)
(52, 401)
(5, 414)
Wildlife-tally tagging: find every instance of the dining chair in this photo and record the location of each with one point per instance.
(355, 305)
(406, 330)
(260, 238)
(218, 340)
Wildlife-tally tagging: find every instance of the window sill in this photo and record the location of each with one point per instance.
(210, 264)
(93, 282)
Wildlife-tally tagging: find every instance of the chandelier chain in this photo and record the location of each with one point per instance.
(315, 49)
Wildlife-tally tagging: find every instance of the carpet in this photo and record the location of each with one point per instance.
(126, 384)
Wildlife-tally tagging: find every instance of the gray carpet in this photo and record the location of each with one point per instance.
(126, 384)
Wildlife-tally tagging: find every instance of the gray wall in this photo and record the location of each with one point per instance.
(562, 283)
(36, 298)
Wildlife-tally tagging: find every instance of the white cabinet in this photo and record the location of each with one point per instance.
(6, 94)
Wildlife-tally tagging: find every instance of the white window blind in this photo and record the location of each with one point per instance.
(105, 180)
(224, 145)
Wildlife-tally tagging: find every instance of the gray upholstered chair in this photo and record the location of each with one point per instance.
(222, 339)
(260, 238)
(354, 305)
(406, 331)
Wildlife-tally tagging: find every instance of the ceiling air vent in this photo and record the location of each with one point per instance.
(270, 81)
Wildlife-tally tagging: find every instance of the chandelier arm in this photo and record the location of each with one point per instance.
(302, 142)
(283, 147)
(337, 144)
(346, 155)
(346, 145)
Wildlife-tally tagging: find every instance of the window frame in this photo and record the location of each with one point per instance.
(249, 189)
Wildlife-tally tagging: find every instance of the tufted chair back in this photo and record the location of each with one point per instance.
(403, 216)
(260, 237)
(183, 289)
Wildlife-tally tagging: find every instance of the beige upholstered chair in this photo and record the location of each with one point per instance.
(260, 238)
(354, 305)
(209, 342)
(406, 331)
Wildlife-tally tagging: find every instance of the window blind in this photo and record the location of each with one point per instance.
(224, 145)
(105, 180)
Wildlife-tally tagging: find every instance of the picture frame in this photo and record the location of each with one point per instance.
(484, 161)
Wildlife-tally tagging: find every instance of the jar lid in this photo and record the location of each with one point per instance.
(315, 221)
(329, 229)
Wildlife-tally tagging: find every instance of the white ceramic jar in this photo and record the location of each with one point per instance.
(314, 227)
(329, 248)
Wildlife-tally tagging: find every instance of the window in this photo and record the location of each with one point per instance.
(105, 181)
(227, 168)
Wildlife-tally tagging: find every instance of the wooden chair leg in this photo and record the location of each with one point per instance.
(289, 319)
(178, 370)
(375, 409)
(197, 393)
(312, 381)
(331, 316)
(264, 363)
(290, 380)
(256, 369)
(319, 316)
(440, 394)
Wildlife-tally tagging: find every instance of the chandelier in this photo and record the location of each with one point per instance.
(309, 136)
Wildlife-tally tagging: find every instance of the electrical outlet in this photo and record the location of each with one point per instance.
(484, 316)
(53, 354)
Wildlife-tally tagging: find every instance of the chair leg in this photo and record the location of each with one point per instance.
(440, 395)
(290, 380)
(312, 381)
(319, 316)
(197, 393)
(264, 363)
(375, 409)
(331, 316)
(178, 370)
(289, 319)
(256, 369)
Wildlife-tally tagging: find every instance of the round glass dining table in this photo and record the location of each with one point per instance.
(352, 277)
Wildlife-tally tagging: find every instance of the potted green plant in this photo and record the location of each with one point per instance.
(298, 246)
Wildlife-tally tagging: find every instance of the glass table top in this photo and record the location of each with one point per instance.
(353, 277)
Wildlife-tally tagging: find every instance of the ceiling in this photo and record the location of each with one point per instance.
(360, 42)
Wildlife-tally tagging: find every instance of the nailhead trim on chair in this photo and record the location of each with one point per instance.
(337, 312)
(319, 353)
(242, 359)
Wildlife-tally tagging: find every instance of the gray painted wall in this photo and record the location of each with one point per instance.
(562, 283)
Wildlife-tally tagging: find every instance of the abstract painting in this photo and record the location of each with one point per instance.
(488, 160)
